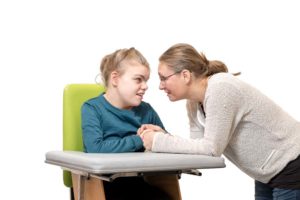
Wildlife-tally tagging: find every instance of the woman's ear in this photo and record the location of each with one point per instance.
(187, 75)
(114, 77)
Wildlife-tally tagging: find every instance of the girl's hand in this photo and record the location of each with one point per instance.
(147, 137)
(149, 127)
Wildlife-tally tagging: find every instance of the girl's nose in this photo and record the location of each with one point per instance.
(145, 86)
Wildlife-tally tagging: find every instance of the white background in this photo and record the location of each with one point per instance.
(45, 45)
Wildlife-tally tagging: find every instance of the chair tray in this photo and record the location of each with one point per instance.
(107, 163)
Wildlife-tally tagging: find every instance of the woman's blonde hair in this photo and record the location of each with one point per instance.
(184, 56)
(113, 62)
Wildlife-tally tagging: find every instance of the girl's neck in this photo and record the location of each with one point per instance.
(110, 96)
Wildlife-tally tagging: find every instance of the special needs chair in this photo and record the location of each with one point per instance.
(73, 97)
(84, 173)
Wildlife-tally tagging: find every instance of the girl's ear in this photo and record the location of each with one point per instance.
(114, 77)
(187, 76)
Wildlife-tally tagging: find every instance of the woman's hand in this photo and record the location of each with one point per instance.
(151, 127)
(147, 137)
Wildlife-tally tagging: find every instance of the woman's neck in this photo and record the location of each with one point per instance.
(198, 89)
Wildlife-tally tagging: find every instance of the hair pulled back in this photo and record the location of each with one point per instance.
(184, 56)
(113, 62)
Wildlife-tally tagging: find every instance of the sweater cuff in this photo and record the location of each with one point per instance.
(158, 141)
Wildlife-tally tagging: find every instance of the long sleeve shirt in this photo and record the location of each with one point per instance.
(240, 122)
(107, 129)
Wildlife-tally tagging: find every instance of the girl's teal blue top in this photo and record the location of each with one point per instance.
(107, 129)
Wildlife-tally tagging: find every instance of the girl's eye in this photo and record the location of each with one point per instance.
(138, 80)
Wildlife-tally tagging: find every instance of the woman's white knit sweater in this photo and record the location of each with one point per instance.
(243, 124)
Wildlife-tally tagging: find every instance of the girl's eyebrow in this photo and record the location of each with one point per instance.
(141, 76)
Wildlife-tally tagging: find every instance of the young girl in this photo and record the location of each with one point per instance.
(111, 120)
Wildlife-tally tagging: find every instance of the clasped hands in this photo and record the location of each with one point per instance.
(147, 133)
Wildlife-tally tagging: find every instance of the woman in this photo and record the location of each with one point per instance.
(228, 116)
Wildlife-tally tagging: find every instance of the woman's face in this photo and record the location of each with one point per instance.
(132, 85)
(171, 82)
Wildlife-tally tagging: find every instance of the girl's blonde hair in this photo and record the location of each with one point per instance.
(113, 62)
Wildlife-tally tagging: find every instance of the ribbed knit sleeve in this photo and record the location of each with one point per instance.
(222, 107)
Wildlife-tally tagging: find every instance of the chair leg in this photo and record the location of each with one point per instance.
(93, 188)
(71, 194)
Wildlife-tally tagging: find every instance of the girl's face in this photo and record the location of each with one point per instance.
(171, 82)
(131, 85)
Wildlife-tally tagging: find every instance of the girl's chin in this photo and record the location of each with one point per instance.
(140, 98)
(134, 103)
(137, 102)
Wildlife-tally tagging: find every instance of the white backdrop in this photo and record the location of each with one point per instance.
(45, 45)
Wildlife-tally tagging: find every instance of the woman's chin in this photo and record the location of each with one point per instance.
(172, 98)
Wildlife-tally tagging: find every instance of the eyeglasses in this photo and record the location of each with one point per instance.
(165, 78)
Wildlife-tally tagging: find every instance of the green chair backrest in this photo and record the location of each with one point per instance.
(74, 96)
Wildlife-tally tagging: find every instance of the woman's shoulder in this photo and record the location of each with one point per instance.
(225, 85)
(222, 77)
(233, 87)
(229, 82)
(224, 80)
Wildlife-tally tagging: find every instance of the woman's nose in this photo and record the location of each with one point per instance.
(161, 85)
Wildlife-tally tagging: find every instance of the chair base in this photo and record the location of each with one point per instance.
(92, 188)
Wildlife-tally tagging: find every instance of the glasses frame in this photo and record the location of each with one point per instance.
(163, 79)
